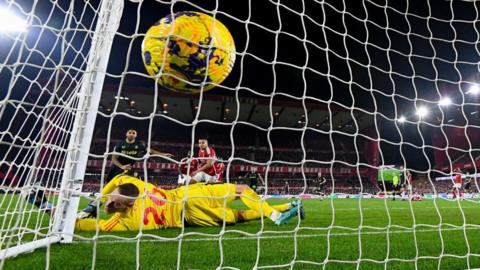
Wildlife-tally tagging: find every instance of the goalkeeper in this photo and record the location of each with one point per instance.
(140, 205)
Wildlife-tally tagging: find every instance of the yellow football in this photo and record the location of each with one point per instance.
(187, 51)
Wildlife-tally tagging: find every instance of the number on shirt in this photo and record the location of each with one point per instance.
(158, 219)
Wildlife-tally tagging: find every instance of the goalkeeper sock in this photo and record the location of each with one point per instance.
(251, 199)
(247, 215)
(282, 207)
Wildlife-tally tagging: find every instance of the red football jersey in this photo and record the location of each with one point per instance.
(458, 179)
(204, 155)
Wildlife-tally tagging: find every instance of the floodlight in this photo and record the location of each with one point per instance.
(10, 22)
(422, 112)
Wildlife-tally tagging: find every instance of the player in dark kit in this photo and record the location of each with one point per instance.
(130, 147)
(255, 180)
(319, 185)
(468, 183)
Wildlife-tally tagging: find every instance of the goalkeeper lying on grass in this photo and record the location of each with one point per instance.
(137, 204)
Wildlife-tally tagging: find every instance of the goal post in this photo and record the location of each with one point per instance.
(84, 100)
(86, 114)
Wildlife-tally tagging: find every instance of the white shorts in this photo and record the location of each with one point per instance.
(457, 185)
(203, 177)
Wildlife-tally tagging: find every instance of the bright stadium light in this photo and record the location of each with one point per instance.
(9, 22)
(445, 101)
(422, 112)
(475, 89)
(402, 119)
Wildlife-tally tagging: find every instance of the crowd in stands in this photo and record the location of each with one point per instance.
(257, 154)
(248, 143)
(296, 183)
(422, 186)
(258, 146)
(276, 184)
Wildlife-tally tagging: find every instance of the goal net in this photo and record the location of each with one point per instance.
(52, 75)
(356, 108)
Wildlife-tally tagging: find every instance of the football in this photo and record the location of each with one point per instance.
(188, 51)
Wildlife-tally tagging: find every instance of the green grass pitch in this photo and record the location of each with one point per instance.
(337, 234)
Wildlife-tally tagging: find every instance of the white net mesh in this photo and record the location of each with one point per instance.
(42, 67)
(340, 88)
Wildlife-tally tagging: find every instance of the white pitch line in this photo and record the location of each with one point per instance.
(401, 208)
(352, 208)
(283, 236)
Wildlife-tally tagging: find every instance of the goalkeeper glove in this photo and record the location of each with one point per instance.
(88, 212)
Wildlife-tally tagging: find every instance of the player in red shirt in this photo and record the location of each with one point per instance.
(457, 184)
(208, 169)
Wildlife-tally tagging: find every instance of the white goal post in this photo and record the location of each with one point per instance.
(82, 104)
